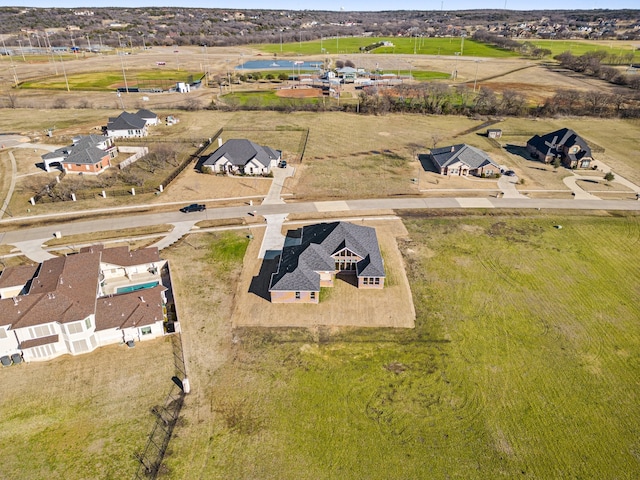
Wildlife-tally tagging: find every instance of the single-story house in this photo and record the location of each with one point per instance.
(90, 154)
(315, 254)
(243, 157)
(126, 125)
(148, 116)
(463, 160)
(564, 144)
(77, 303)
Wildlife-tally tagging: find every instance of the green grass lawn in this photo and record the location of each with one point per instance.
(106, 80)
(263, 99)
(580, 47)
(402, 45)
(523, 363)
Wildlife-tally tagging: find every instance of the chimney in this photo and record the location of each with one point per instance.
(15, 301)
(453, 149)
(141, 299)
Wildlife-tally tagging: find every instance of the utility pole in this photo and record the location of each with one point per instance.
(124, 76)
(88, 43)
(22, 51)
(65, 73)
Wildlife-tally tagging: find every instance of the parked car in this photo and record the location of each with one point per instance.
(510, 173)
(194, 207)
(282, 164)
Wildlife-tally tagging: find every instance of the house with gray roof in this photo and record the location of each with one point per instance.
(126, 125)
(89, 154)
(315, 254)
(76, 303)
(565, 144)
(463, 160)
(241, 156)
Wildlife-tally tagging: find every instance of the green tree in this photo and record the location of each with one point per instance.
(609, 176)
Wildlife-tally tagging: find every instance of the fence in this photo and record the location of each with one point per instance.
(43, 196)
(138, 153)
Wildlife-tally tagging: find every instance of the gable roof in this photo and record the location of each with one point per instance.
(239, 152)
(17, 275)
(471, 156)
(144, 113)
(85, 150)
(133, 309)
(299, 264)
(554, 142)
(126, 121)
(64, 290)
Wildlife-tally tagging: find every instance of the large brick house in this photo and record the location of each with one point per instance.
(241, 156)
(90, 155)
(565, 144)
(315, 254)
(463, 160)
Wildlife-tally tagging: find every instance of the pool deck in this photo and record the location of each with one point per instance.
(110, 286)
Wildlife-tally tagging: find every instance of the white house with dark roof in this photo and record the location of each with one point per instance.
(148, 116)
(126, 125)
(90, 154)
(244, 157)
(315, 254)
(565, 144)
(463, 160)
(70, 305)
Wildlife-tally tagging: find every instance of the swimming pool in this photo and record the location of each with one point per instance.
(134, 288)
(279, 65)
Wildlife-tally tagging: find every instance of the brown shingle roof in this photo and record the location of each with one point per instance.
(36, 342)
(64, 291)
(122, 256)
(134, 309)
(18, 275)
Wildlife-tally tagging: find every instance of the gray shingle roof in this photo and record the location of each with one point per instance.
(144, 113)
(553, 143)
(471, 156)
(126, 121)
(299, 264)
(84, 150)
(240, 151)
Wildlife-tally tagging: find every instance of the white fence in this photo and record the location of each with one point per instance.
(138, 153)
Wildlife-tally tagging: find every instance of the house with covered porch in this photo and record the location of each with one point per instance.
(79, 302)
(315, 254)
(243, 157)
(463, 160)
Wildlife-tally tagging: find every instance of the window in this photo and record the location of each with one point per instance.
(297, 295)
(312, 295)
(79, 346)
(75, 327)
(377, 281)
(87, 322)
(145, 330)
(365, 281)
(3, 333)
(41, 331)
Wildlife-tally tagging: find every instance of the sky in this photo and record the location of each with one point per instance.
(347, 5)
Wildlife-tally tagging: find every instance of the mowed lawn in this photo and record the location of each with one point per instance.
(401, 45)
(523, 363)
(100, 81)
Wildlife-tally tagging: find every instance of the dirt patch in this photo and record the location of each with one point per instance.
(299, 92)
(343, 305)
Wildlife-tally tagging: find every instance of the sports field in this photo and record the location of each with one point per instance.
(401, 45)
(111, 80)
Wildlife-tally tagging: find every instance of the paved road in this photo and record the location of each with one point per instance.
(18, 235)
